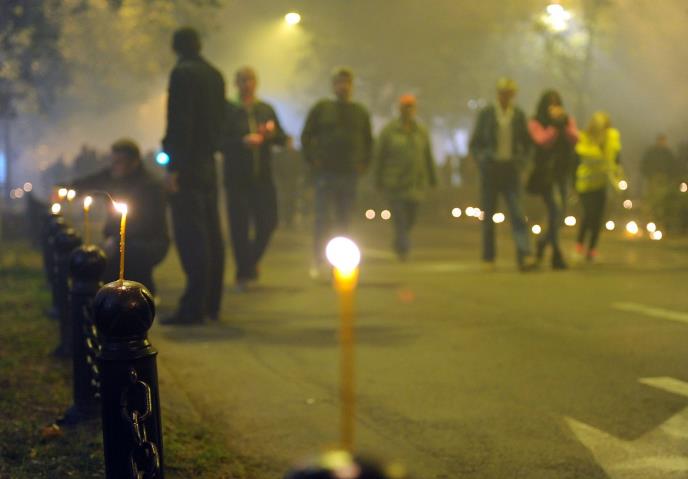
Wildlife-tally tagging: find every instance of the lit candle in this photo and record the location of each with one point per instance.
(56, 208)
(345, 256)
(122, 208)
(71, 194)
(87, 230)
(62, 193)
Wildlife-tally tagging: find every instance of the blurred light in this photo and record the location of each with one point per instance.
(120, 207)
(62, 193)
(623, 185)
(570, 221)
(28, 187)
(18, 193)
(632, 227)
(480, 215)
(88, 201)
(628, 204)
(684, 187)
(162, 158)
(292, 18)
(469, 211)
(343, 254)
(536, 229)
(498, 217)
(656, 235)
(651, 227)
(385, 215)
(610, 225)
(71, 194)
(557, 17)
(370, 214)
(456, 212)
(13, 194)
(56, 208)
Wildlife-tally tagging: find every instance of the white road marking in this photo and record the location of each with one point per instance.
(659, 453)
(653, 312)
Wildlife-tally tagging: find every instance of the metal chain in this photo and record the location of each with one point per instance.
(144, 457)
(93, 346)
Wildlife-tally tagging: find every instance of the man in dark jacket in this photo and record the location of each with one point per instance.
(127, 180)
(195, 112)
(500, 145)
(251, 130)
(337, 143)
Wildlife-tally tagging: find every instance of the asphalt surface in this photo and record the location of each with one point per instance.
(461, 372)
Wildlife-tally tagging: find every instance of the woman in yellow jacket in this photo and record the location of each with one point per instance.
(598, 150)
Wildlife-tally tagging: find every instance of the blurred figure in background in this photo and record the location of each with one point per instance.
(128, 181)
(404, 168)
(195, 114)
(598, 150)
(337, 143)
(500, 146)
(251, 130)
(554, 132)
(659, 164)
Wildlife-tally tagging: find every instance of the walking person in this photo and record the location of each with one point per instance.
(251, 131)
(337, 143)
(554, 133)
(500, 145)
(195, 112)
(598, 150)
(404, 168)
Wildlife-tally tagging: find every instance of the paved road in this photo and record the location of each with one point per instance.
(461, 372)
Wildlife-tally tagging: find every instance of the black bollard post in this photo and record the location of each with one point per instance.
(53, 226)
(86, 267)
(132, 427)
(66, 241)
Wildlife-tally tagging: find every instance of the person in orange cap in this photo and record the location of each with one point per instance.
(404, 168)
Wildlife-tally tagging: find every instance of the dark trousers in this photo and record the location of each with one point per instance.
(404, 217)
(196, 225)
(593, 203)
(555, 200)
(253, 207)
(502, 178)
(140, 257)
(335, 198)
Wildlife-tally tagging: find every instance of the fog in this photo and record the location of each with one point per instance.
(447, 52)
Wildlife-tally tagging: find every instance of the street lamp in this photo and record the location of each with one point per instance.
(292, 18)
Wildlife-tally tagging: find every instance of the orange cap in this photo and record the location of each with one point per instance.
(407, 99)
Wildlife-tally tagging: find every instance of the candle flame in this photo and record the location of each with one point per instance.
(120, 207)
(88, 201)
(62, 193)
(56, 208)
(71, 194)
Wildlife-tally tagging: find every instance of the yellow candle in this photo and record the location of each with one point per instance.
(122, 208)
(87, 230)
(62, 193)
(345, 256)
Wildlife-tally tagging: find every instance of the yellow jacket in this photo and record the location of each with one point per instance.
(598, 164)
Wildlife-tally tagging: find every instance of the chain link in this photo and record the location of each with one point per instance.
(93, 346)
(144, 458)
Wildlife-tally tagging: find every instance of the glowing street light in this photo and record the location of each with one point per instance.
(570, 221)
(536, 229)
(623, 185)
(498, 218)
(28, 187)
(385, 215)
(628, 204)
(56, 208)
(610, 225)
(292, 18)
(683, 188)
(456, 212)
(656, 235)
(370, 214)
(632, 228)
(62, 193)
(556, 17)
(651, 227)
(345, 256)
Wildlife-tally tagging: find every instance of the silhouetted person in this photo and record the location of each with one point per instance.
(128, 181)
(251, 130)
(500, 146)
(404, 168)
(195, 112)
(659, 164)
(554, 133)
(337, 143)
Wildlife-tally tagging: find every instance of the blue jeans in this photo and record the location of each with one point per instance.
(502, 178)
(404, 217)
(555, 201)
(335, 197)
